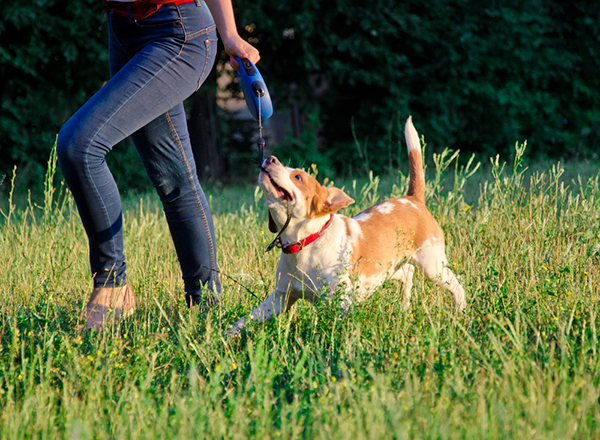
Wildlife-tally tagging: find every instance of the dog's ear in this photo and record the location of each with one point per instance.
(330, 200)
(272, 225)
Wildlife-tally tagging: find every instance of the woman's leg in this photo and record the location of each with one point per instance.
(156, 63)
(166, 152)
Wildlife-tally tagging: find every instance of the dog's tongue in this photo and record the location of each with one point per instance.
(283, 193)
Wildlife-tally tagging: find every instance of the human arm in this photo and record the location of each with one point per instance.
(222, 12)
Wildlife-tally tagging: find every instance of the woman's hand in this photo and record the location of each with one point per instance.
(235, 46)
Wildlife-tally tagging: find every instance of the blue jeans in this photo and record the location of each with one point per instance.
(155, 64)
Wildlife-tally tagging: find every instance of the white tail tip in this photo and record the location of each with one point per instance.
(412, 137)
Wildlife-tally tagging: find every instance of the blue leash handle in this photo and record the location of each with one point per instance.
(255, 90)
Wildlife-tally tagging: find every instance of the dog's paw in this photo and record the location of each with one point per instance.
(236, 330)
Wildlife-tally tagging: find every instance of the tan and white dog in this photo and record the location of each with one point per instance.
(323, 249)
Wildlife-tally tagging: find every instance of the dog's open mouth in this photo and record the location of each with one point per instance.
(281, 191)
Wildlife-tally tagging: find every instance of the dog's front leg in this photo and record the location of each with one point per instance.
(272, 306)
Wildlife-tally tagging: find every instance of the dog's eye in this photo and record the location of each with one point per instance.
(298, 177)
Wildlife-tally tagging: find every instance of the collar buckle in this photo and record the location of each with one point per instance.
(292, 248)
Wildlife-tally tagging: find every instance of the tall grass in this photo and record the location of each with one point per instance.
(522, 362)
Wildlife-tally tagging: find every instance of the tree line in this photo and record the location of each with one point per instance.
(476, 76)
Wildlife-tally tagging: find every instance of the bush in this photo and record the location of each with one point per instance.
(52, 59)
(477, 76)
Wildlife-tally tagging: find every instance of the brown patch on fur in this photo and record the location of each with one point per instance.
(388, 238)
(416, 187)
(319, 200)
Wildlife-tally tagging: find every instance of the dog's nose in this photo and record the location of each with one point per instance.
(271, 160)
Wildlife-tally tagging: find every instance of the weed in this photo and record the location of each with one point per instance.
(522, 361)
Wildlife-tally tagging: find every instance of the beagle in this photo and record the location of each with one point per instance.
(321, 249)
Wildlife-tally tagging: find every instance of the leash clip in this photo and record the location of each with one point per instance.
(274, 243)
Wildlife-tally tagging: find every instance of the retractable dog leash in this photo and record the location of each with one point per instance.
(257, 98)
(259, 103)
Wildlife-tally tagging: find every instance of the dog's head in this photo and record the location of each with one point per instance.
(308, 198)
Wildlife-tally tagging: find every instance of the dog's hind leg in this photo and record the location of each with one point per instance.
(434, 263)
(405, 276)
(448, 280)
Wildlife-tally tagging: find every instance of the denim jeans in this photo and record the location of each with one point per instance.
(155, 64)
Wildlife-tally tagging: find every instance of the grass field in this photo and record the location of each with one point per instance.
(522, 362)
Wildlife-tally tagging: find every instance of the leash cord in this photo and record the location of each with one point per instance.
(277, 240)
(232, 279)
(260, 142)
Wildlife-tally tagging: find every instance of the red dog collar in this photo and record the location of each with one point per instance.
(298, 246)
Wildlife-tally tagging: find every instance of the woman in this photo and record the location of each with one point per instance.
(160, 52)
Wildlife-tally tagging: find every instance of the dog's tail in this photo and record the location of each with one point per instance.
(416, 187)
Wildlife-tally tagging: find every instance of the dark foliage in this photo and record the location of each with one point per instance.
(477, 76)
(52, 59)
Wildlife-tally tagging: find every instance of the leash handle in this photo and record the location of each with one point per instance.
(255, 90)
(257, 98)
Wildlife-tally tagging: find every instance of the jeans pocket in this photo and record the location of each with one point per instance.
(210, 46)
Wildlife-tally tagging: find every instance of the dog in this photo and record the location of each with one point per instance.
(322, 249)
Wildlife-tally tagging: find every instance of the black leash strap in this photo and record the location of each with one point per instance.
(232, 279)
(277, 241)
(260, 142)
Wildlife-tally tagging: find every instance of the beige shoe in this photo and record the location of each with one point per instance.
(109, 304)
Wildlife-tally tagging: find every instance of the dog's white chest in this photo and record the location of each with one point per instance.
(319, 266)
